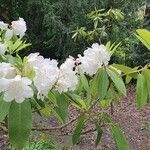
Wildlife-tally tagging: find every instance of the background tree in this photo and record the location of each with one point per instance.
(51, 24)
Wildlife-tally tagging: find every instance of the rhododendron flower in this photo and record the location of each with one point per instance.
(35, 59)
(19, 27)
(3, 26)
(67, 76)
(93, 59)
(3, 48)
(17, 89)
(46, 75)
(7, 70)
(9, 34)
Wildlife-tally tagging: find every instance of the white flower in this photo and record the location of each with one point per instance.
(7, 71)
(35, 59)
(93, 59)
(19, 27)
(3, 26)
(46, 75)
(17, 89)
(67, 76)
(3, 48)
(9, 34)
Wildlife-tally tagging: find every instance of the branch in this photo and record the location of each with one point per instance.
(83, 133)
(56, 128)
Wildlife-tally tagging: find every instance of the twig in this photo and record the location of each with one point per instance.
(56, 128)
(69, 134)
(36, 110)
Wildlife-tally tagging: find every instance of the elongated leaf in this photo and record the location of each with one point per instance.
(23, 46)
(144, 37)
(52, 98)
(113, 49)
(62, 107)
(78, 130)
(115, 94)
(106, 118)
(46, 112)
(4, 108)
(17, 43)
(94, 84)
(99, 84)
(117, 81)
(119, 137)
(132, 72)
(105, 103)
(79, 87)
(77, 100)
(128, 79)
(19, 124)
(123, 68)
(146, 74)
(103, 83)
(141, 91)
(84, 82)
(99, 133)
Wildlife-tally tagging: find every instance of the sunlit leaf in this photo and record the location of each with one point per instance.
(117, 81)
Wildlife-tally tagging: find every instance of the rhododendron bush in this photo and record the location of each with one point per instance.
(38, 84)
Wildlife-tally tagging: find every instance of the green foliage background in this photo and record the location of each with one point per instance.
(51, 22)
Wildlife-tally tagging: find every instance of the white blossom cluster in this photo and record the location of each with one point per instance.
(17, 28)
(47, 75)
(93, 59)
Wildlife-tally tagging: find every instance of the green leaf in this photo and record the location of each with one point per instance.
(132, 72)
(117, 81)
(77, 101)
(79, 88)
(84, 82)
(106, 118)
(78, 129)
(61, 109)
(46, 112)
(146, 74)
(4, 108)
(119, 137)
(23, 46)
(105, 103)
(144, 37)
(113, 48)
(19, 124)
(99, 84)
(115, 94)
(94, 84)
(141, 91)
(17, 43)
(52, 98)
(103, 83)
(123, 68)
(99, 133)
(128, 79)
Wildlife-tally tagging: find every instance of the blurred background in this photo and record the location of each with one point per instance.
(59, 28)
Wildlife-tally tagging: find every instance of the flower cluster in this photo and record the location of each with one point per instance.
(17, 28)
(93, 59)
(16, 85)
